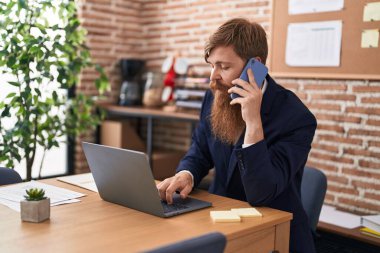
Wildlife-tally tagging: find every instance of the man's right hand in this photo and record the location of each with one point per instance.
(181, 182)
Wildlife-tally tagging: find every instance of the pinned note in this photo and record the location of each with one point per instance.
(370, 38)
(371, 12)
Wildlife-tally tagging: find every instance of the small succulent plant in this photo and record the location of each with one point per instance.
(35, 194)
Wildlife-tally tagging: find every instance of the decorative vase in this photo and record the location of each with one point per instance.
(35, 211)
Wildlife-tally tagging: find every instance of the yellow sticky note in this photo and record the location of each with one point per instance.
(370, 38)
(224, 216)
(246, 212)
(371, 12)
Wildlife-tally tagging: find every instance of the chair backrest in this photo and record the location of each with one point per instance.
(313, 191)
(211, 243)
(9, 176)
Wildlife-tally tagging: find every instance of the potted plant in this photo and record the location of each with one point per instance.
(35, 207)
(42, 52)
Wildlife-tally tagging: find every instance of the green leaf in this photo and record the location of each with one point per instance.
(21, 4)
(11, 61)
(55, 96)
(17, 84)
(12, 94)
(5, 112)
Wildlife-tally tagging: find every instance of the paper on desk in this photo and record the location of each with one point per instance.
(330, 215)
(85, 180)
(12, 195)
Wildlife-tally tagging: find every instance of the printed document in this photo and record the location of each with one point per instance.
(314, 44)
(12, 195)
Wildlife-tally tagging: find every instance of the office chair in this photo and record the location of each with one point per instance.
(313, 191)
(9, 176)
(211, 243)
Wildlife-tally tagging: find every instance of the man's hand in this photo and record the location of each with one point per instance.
(181, 182)
(250, 101)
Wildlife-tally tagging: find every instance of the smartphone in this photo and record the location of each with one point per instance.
(259, 70)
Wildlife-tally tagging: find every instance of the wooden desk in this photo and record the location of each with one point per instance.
(94, 225)
(150, 114)
(349, 233)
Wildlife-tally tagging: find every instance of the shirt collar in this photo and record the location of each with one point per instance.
(265, 84)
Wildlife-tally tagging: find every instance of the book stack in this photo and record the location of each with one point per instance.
(371, 225)
(189, 92)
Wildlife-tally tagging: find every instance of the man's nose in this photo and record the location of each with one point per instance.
(215, 75)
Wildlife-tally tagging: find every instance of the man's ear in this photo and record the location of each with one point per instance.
(258, 59)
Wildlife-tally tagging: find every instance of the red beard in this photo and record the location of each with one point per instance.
(227, 123)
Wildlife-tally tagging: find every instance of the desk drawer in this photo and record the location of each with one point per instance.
(257, 242)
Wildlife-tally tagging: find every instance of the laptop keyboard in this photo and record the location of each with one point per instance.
(173, 207)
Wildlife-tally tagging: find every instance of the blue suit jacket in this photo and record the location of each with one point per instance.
(267, 173)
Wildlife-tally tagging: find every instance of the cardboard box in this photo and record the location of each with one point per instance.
(165, 163)
(120, 134)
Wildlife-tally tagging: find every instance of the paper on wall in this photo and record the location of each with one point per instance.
(311, 6)
(371, 12)
(370, 38)
(314, 44)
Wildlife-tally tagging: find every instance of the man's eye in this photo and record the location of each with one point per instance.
(225, 68)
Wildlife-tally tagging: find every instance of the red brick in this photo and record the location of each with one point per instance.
(359, 203)
(290, 85)
(351, 191)
(373, 122)
(363, 132)
(337, 139)
(319, 106)
(344, 97)
(325, 147)
(369, 89)
(340, 87)
(338, 179)
(361, 173)
(321, 166)
(373, 100)
(301, 95)
(358, 152)
(335, 128)
(331, 158)
(364, 110)
(366, 185)
(158, 29)
(369, 164)
(329, 197)
(188, 26)
(371, 195)
(339, 118)
(252, 4)
(374, 144)
(207, 16)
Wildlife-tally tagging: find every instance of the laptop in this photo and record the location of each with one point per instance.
(124, 177)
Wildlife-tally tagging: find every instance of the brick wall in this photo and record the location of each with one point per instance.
(114, 32)
(347, 142)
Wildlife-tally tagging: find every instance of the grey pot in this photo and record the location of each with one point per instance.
(35, 211)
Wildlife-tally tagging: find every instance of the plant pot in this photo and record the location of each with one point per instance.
(35, 211)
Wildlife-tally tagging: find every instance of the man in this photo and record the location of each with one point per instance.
(258, 143)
